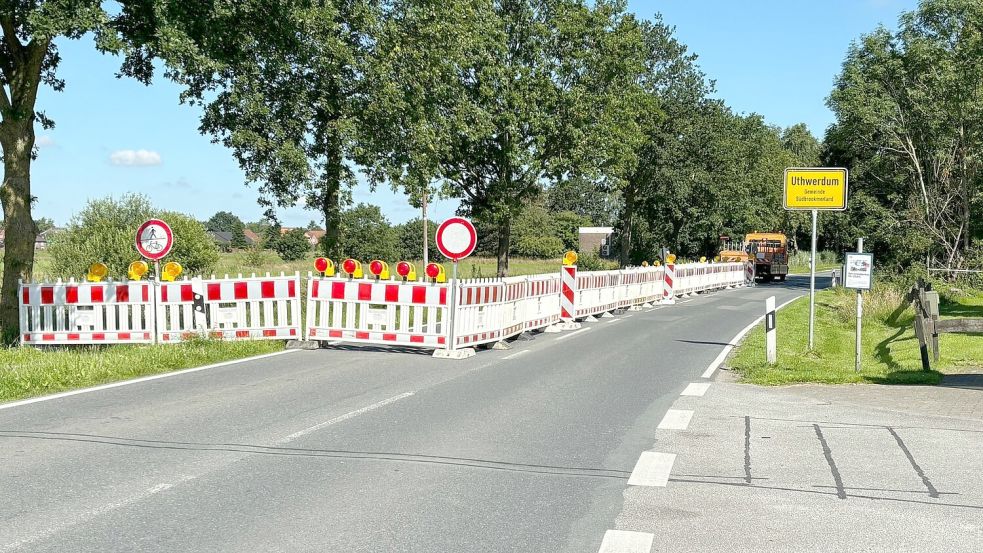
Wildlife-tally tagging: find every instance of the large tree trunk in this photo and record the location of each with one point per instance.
(331, 202)
(17, 139)
(504, 239)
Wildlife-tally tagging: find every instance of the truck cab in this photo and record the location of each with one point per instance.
(770, 253)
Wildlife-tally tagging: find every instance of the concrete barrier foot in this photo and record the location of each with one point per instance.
(462, 353)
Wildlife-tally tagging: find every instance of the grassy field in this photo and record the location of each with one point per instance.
(28, 372)
(890, 349)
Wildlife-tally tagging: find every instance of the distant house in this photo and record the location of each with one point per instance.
(41, 242)
(223, 239)
(596, 239)
(252, 238)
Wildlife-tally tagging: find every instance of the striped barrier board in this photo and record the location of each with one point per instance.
(66, 313)
(238, 308)
(377, 312)
(568, 294)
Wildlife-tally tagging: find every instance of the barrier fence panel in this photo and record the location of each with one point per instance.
(86, 313)
(541, 306)
(488, 310)
(239, 308)
(377, 312)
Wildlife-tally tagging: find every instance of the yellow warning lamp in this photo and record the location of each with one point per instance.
(137, 270)
(570, 258)
(656, 263)
(406, 270)
(435, 272)
(716, 259)
(645, 263)
(379, 269)
(703, 259)
(171, 270)
(324, 266)
(352, 268)
(671, 258)
(97, 272)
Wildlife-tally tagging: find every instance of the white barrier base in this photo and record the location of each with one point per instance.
(606, 315)
(462, 353)
(647, 304)
(635, 308)
(502, 344)
(590, 319)
(669, 301)
(568, 325)
(554, 329)
(303, 344)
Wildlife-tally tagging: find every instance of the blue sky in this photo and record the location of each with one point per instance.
(777, 58)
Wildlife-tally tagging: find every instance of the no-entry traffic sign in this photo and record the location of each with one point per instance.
(154, 239)
(456, 238)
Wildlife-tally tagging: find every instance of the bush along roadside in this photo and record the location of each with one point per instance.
(28, 372)
(890, 353)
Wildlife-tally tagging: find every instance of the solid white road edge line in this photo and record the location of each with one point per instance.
(516, 354)
(696, 389)
(341, 418)
(652, 469)
(623, 541)
(141, 379)
(565, 336)
(676, 419)
(719, 360)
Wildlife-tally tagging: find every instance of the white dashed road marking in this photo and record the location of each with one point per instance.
(516, 354)
(621, 541)
(346, 416)
(565, 336)
(676, 419)
(696, 389)
(652, 469)
(615, 320)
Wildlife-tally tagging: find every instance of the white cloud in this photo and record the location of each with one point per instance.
(134, 158)
(44, 141)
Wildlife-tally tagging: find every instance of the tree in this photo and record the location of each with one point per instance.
(104, 231)
(367, 234)
(591, 199)
(313, 225)
(507, 101)
(224, 221)
(287, 104)
(909, 124)
(410, 236)
(292, 245)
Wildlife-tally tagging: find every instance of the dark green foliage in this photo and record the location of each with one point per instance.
(105, 231)
(410, 235)
(367, 235)
(292, 245)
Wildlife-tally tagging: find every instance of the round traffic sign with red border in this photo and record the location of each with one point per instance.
(456, 238)
(154, 239)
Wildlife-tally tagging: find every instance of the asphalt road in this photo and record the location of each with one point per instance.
(354, 449)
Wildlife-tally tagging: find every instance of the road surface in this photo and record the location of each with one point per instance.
(365, 449)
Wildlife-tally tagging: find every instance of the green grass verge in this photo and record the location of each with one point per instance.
(890, 352)
(27, 372)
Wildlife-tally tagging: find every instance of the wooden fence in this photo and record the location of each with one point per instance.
(928, 325)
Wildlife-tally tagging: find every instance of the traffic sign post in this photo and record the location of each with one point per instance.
(815, 189)
(456, 239)
(858, 273)
(154, 240)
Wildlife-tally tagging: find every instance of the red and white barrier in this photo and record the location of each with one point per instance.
(669, 284)
(238, 308)
(86, 313)
(377, 312)
(568, 294)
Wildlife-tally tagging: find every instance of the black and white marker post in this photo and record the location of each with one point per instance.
(860, 308)
(771, 334)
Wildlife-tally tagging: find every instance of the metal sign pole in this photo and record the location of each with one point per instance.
(451, 336)
(812, 282)
(860, 308)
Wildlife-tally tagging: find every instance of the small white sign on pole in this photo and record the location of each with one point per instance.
(858, 271)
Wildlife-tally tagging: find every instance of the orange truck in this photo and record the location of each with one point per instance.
(769, 250)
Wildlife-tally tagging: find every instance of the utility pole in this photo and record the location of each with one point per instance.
(426, 233)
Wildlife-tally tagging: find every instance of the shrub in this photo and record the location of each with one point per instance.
(292, 245)
(105, 230)
(366, 234)
(410, 236)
